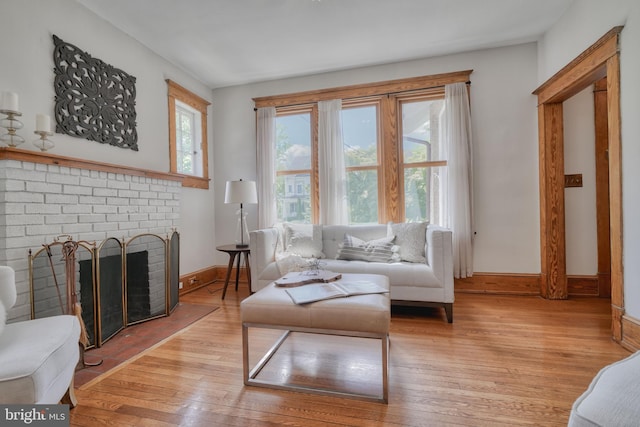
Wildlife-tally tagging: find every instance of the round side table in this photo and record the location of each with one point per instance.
(236, 252)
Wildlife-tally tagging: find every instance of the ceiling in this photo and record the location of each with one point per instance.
(231, 42)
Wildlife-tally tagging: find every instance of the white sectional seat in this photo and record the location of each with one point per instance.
(613, 397)
(426, 280)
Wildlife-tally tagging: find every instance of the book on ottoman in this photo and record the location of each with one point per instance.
(323, 291)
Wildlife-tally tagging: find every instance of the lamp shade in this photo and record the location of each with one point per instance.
(241, 192)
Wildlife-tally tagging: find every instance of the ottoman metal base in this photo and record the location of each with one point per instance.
(250, 376)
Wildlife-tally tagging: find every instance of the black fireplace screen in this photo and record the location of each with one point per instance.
(116, 283)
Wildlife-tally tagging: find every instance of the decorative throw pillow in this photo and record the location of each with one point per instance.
(411, 238)
(378, 250)
(288, 262)
(304, 240)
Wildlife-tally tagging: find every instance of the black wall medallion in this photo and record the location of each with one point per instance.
(94, 100)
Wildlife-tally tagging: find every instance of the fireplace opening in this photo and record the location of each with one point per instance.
(111, 304)
(138, 292)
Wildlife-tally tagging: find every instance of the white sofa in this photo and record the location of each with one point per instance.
(428, 283)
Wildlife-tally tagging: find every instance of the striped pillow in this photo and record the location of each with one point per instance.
(378, 250)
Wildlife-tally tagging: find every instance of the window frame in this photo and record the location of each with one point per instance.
(177, 92)
(389, 94)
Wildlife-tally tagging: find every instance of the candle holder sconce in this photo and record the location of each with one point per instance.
(11, 124)
(43, 143)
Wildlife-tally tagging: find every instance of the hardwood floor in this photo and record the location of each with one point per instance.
(505, 361)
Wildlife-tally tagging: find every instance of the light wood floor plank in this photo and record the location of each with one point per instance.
(505, 361)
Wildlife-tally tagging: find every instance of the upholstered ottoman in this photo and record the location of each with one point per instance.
(613, 397)
(363, 316)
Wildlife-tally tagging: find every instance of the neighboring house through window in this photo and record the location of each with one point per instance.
(295, 157)
(188, 136)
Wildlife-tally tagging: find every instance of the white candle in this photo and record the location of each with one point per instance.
(10, 101)
(43, 123)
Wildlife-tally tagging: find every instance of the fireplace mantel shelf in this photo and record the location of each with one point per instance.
(9, 153)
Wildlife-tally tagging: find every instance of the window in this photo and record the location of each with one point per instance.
(361, 159)
(423, 159)
(188, 140)
(188, 136)
(395, 162)
(295, 160)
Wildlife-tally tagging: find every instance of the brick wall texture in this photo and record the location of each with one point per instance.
(40, 202)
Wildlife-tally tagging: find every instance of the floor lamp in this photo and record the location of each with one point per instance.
(241, 192)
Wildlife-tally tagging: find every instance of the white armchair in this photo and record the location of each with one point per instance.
(38, 358)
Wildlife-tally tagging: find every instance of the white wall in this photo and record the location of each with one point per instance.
(584, 23)
(26, 28)
(580, 202)
(505, 146)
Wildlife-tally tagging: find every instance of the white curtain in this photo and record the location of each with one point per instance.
(266, 165)
(333, 192)
(457, 134)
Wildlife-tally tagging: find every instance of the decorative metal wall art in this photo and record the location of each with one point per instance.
(94, 100)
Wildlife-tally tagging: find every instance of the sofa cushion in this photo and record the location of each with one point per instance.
(399, 273)
(304, 240)
(378, 250)
(411, 238)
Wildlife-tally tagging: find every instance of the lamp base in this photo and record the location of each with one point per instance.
(242, 232)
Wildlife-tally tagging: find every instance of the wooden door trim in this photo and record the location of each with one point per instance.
(584, 70)
(615, 193)
(598, 61)
(552, 225)
(602, 187)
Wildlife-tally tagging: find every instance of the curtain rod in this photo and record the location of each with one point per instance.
(468, 83)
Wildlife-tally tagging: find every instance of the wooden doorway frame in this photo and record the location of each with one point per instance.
(600, 60)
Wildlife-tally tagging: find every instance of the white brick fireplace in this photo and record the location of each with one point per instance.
(43, 196)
